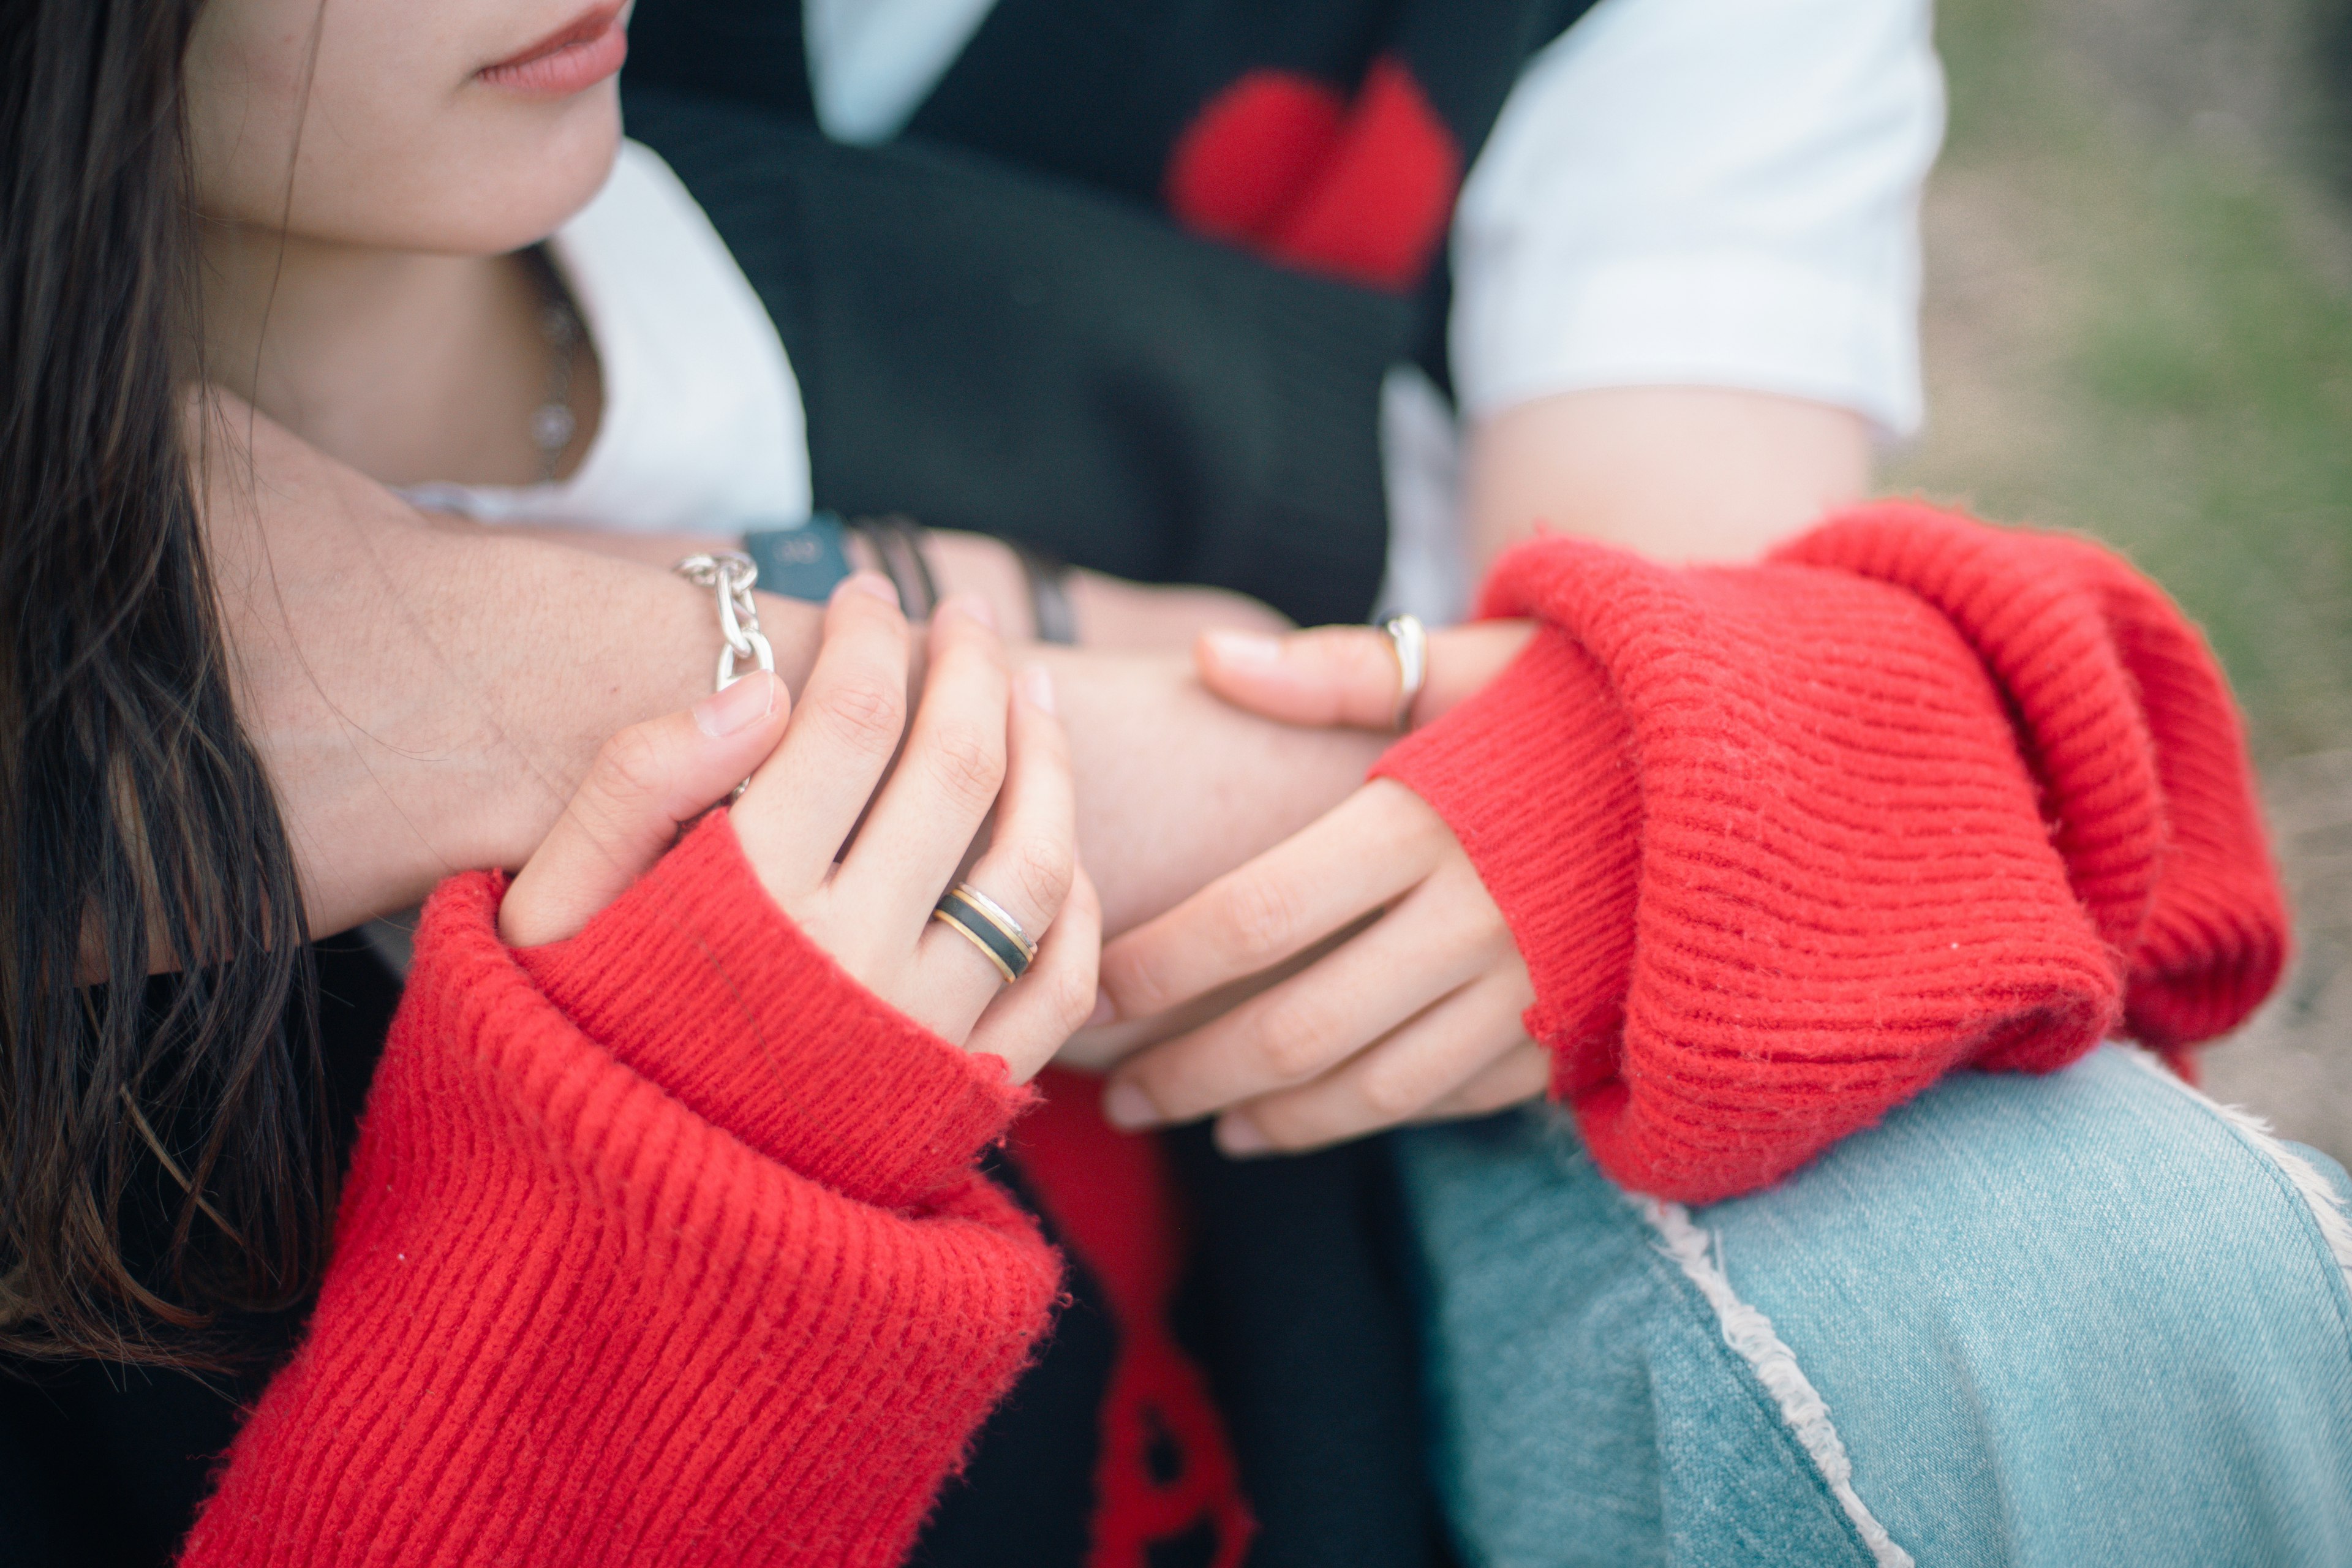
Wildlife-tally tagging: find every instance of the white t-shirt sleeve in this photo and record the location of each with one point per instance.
(1718, 193)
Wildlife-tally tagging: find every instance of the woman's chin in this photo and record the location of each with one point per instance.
(477, 184)
(523, 198)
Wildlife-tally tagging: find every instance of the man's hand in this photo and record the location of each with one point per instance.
(1410, 1008)
(1414, 1016)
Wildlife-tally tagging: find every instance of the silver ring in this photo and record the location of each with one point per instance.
(984, 922)
(1409, 640)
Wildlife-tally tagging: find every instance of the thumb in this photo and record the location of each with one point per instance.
(1323, 676)
(1349, 675)
(646, 781)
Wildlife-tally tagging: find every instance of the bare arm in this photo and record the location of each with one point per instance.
(427, 696)
(1419, 1013)
(1675, 473)
(1110, 611)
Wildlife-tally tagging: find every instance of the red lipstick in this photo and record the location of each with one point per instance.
(575, 57)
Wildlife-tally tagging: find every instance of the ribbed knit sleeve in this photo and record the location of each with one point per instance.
(1782, 844)
(660, 1245)
(2129, 729)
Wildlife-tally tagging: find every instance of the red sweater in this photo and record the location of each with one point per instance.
(664, 1244)
(1782, 844)
(660, 1245)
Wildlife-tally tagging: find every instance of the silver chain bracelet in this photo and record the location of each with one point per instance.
(732, 574)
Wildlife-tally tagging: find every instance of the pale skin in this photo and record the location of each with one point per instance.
(430, 694)
(1417, 1015)
(981, 741)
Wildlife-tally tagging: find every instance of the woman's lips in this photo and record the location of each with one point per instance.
(575, 57)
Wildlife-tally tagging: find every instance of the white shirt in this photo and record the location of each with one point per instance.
(1718, 193)
(1677, 192)
(702, 429)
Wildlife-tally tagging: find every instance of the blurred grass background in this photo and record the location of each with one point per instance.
(2139, 324)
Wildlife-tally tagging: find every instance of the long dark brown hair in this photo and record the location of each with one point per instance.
(162, 1148)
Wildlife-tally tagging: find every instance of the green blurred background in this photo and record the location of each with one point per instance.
(2139, 324)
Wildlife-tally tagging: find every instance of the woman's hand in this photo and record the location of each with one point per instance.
(1414, 1016)
(980, 741)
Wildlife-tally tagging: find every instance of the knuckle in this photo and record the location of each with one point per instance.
(1294, 1038)
(1259, 916)
(963, 762)
(1389, 1095)
(865, 711)
(1042, 870)
(633, 765)
(1132, 975)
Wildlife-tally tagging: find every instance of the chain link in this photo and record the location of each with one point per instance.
(731, 574)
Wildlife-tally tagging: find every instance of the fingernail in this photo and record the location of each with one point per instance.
(873, 585)
(741, 706)
(970, 605)
(1104, 1011)
(1037, 687)
(1239, 1136)
(1126, 1106)
(1244, 648)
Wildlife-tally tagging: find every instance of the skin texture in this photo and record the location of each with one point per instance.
(1415, 1015)
(365, 187)
(429, 694)
(979, 739)
(1675, 473)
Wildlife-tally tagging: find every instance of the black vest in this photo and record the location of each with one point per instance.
(1127, 287)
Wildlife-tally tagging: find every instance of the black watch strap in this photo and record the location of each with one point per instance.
(897, 541)
(801, 560)
(1049, 595)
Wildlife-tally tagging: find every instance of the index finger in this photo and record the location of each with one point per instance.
(1367, 850)
(805, 799)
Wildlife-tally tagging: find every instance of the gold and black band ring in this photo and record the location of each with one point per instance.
(983, 921)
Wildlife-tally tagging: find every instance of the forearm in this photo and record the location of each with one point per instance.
(1176, 787)
(1109, 611)
(1678, 473)
(426, 697)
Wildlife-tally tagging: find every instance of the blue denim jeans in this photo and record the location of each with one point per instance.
(2086, 1319)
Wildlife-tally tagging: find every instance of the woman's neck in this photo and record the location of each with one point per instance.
(410, 367)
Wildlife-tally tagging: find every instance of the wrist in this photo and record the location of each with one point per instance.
(978, 564)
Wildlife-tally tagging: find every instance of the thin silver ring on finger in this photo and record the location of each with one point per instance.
(985, 924)
(1409, 640)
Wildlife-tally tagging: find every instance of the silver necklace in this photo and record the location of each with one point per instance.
(552, 422)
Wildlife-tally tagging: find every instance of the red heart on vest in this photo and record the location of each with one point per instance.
(1281, 164)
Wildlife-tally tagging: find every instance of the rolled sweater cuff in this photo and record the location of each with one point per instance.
(696, 980)
(1560, 850)
(1781, 845)
(1766, 841)
(2127, 722)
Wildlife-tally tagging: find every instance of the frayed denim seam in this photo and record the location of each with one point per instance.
(1749, 1333)
(2318, 1193)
